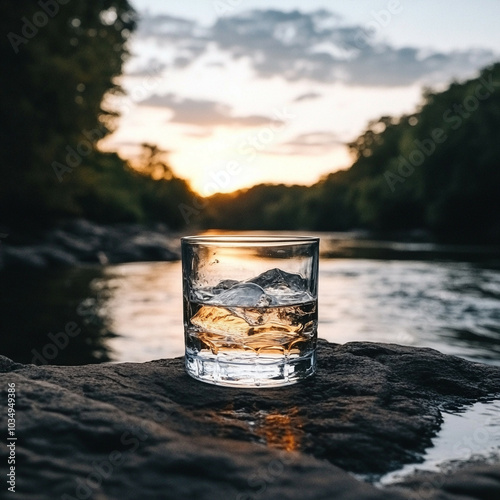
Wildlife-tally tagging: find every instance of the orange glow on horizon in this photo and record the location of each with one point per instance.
(228, 172)
(299, 148)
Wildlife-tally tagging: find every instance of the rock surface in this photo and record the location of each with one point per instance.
(81, 241)
(149, 431)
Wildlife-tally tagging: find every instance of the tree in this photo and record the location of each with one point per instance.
(437, 168)
(59, 59)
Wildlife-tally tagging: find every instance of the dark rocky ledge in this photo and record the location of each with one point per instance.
(149, 431)
(80, 242)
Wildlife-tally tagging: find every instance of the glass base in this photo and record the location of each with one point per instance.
(249, 369)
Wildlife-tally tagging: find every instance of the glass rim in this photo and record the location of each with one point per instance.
(242, 240)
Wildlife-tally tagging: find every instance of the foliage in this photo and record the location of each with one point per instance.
(437, 169)
(265, 206)
(59, 62)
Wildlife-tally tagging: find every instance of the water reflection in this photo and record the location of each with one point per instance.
(278, 430)
(468, 435)
(453, 307)
(43, 321)
(133, 312)
(145, 307)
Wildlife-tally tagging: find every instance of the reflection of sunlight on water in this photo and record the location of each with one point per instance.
(471, 434)
(280, 431)
(145, 310)
(272, 427)
(451, 306)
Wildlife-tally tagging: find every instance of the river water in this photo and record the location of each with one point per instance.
(452, 307)
(418, 294)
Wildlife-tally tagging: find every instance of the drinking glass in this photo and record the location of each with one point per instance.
(250, 309)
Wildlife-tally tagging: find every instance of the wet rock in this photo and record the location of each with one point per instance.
(80, 245)
(481, 481)
(82, 241)
(37, 256)
(23, 256)
(149, 431)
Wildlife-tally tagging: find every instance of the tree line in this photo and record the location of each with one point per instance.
(59, 61)
(437, 169)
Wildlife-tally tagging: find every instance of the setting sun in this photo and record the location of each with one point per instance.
(235, 110)
(250, 249)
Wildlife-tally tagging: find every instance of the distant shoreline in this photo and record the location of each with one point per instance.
(80, 242)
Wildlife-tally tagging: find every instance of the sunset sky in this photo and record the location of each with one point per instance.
(248, 91)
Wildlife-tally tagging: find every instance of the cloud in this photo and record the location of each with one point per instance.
(168, 27)
(316, 46)
(153, 67)
(313, 143)
(185, 36)
(204, 112)
(215, 64)
(308, 96)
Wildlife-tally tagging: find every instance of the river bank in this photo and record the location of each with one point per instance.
(81, 241)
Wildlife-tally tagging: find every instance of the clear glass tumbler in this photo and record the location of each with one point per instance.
(250, 309)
